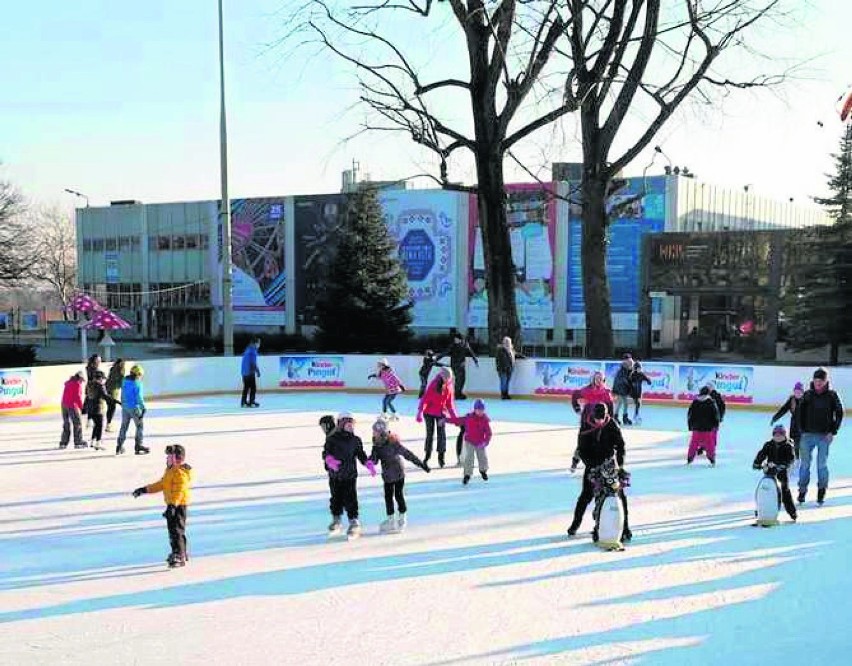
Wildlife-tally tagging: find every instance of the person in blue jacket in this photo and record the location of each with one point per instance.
(250, 371)
(132, 409)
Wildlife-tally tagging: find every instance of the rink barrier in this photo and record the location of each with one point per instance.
(38, 389)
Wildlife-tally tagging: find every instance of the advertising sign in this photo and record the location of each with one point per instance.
(735, 383)
(304, 371)
(563, 377)
(423, 223)
(531, 216)
(15, 389)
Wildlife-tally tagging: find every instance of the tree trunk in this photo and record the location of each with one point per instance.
(599, 338)
(833, 353)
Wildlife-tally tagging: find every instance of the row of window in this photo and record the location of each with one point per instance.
(156, 243)
(128, 296)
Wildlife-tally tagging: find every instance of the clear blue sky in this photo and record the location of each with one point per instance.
(120, 100)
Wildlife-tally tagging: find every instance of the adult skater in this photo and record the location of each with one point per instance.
(429, 361)
(791, 405)
(436, 405)
(820, 415)
(778, 452)
(458, 353)
(113, 387)
(600, 440)
(249, 371)
(621, 389)
(132, 409)
(505, 363)
(702, 419)
(72, 407)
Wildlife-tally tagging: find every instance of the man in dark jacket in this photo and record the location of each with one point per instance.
(702, 419)
(342, 448)
(458, 352)
(600, 440)
(819, 414)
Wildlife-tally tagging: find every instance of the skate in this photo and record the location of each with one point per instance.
(96, 445)
(387, 526)
(401, 522)
(626, 420)
(335, 528)
(63, 446)
(441, 460)
(572, 530)
(627, 535)
(466, 479)
(354, 531)
(484, 476)
(108, 428)
(802, 495)
(637, 420)
(176, 562)
(142, 450)
(821, 496)
(119, 450)
(81, 445)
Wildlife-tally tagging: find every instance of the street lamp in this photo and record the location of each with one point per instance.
(78, 194)
(225, 206)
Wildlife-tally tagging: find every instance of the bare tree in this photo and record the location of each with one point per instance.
(57, 256)
(634, 62)
(511, 45)
(17, 246)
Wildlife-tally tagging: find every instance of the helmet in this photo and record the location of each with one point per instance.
(137, 371)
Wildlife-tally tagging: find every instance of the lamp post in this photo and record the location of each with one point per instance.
(225, 205)
(78, 194)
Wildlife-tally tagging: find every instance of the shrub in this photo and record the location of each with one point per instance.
(17, 356)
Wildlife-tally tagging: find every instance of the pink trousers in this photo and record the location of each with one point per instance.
(704, 440)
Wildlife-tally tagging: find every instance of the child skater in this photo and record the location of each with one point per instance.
(429, 362)
(791, 405)
(393, 386)
(476, 427)
(437, 403)
(778, 454)
(175, 486)
(99, 398)
(703, 420)
(388, 451)
(637, 378)
(342, 448)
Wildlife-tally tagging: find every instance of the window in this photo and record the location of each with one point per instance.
(164, 243)
(135, 243)
(192, 241)
(97, 245)
(177, 242)
(110, 244)
(87, 245)
(152, 244)
(205, 242)
(124, 243)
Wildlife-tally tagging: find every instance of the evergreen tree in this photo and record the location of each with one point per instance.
(819, 268)
(365, 305)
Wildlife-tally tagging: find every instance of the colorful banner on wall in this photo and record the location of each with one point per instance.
(638, 207)
(735, 383)
(531, 216)
(563, 377)
(257, 249)
(423, 223)
(15, 389)
(310, 371)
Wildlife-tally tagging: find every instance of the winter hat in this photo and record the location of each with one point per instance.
(820, 373)
(705, 390)
(327, 423)
(176, 450)
(343, 416)
(798, 386)
(779, 430)
(599, 411)
(380, 427)
(478, 404)
(384, 362)
(79, 374)
(711, 385)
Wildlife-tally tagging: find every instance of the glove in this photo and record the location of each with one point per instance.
(332, 463)
(371, 466)
(419, 418)
(139, 491)
(426, 468)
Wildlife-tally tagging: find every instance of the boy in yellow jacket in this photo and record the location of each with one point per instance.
(175, 486)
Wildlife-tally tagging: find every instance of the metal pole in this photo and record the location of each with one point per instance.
(225, 206)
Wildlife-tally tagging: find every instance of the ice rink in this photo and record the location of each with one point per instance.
(484, 574)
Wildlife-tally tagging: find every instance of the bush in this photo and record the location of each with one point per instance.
(195, 342)
(17, 356)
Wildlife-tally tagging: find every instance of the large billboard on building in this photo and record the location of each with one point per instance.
(424, 224)
(637, 207)
(531, 216)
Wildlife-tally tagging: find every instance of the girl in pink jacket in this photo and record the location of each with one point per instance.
(476, 427)
(393, 386)
(435, 406)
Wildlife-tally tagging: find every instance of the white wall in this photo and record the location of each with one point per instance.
(168, 377)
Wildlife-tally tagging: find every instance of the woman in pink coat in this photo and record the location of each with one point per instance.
(436, 405)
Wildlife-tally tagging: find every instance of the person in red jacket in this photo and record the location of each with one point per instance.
(477, 436)
(437, 403)
(591, 394)
(72, 408)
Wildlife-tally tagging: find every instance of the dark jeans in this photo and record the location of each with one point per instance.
(460, 374)
(394, 489)
(505, 378)
(431, 423)
(176, 524)
(637, 405)
(585, 498)
(98, 428)
(344, 495)
(110, 411)
(387, 403)
(249, 390)
(71, 421)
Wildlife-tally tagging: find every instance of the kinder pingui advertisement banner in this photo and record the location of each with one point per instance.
(563, 377)
(735, 383)
(310, 371)
(15, 389)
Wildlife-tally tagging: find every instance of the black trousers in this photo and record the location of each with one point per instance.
(586, 497)
(786, 495)
(110, 411)
(423, 382)
(249, 390)
(98, 427)
(176, 524)
(431, 423)
(394, 489)
(459, 442)
(460, 374)
(344, 495)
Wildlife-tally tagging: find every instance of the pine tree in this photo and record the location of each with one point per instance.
(819, 290)
(365, 305)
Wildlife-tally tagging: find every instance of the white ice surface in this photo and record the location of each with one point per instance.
(484, 573)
